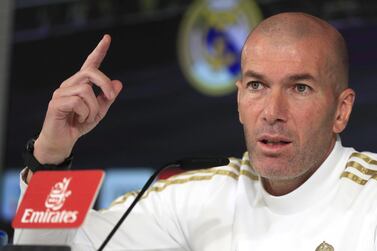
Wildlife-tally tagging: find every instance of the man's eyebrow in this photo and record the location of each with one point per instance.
(291, 78)
(254, 74)
(299, 77)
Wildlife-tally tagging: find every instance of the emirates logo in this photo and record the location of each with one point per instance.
(58, 199)
(53, 203)
(59, 192)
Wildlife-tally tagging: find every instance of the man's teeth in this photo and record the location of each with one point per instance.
(273, 143)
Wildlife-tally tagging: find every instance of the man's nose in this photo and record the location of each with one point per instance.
(276, 108)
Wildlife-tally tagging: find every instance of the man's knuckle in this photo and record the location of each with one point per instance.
(76, 100)
(54, 104)
(64, 83)
(56, 93)
(51, 104)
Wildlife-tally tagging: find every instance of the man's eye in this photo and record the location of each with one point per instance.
(254, 85)
(302, 88)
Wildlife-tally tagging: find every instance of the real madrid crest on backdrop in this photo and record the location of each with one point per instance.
(210, 40)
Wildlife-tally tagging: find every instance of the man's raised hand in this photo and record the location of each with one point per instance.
(74, 108)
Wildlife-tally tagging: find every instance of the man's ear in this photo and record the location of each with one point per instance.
(239, 88)
(344, 109)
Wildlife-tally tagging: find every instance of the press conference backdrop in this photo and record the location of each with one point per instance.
(178, 61)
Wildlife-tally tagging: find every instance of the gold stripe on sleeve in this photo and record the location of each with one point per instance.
(200, 171)
(249, 174)
(122, 199)
(185, 173)
(364, 157)
(354, 178)
(234, 166)
(169, 182)
(361, 168)
(245, 162)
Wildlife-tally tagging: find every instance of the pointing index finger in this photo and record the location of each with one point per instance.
(96, 57)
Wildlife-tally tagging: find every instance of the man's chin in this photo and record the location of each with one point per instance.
(273, 168)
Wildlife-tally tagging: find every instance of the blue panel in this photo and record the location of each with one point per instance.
(118, 181)
(10, 191)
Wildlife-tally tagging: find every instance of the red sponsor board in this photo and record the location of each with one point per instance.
(58, 199)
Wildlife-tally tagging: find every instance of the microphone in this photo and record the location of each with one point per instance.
(186, 164)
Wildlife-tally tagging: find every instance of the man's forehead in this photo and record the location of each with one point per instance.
(282, 50)
(288, 61)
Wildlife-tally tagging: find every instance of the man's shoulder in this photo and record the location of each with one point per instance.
(361, 168)
(225, 175)
(229, 174)
(202, 183)
(357, 192)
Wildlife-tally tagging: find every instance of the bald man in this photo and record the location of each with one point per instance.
(297, 187)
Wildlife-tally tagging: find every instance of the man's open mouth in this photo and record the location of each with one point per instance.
(274, 140)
